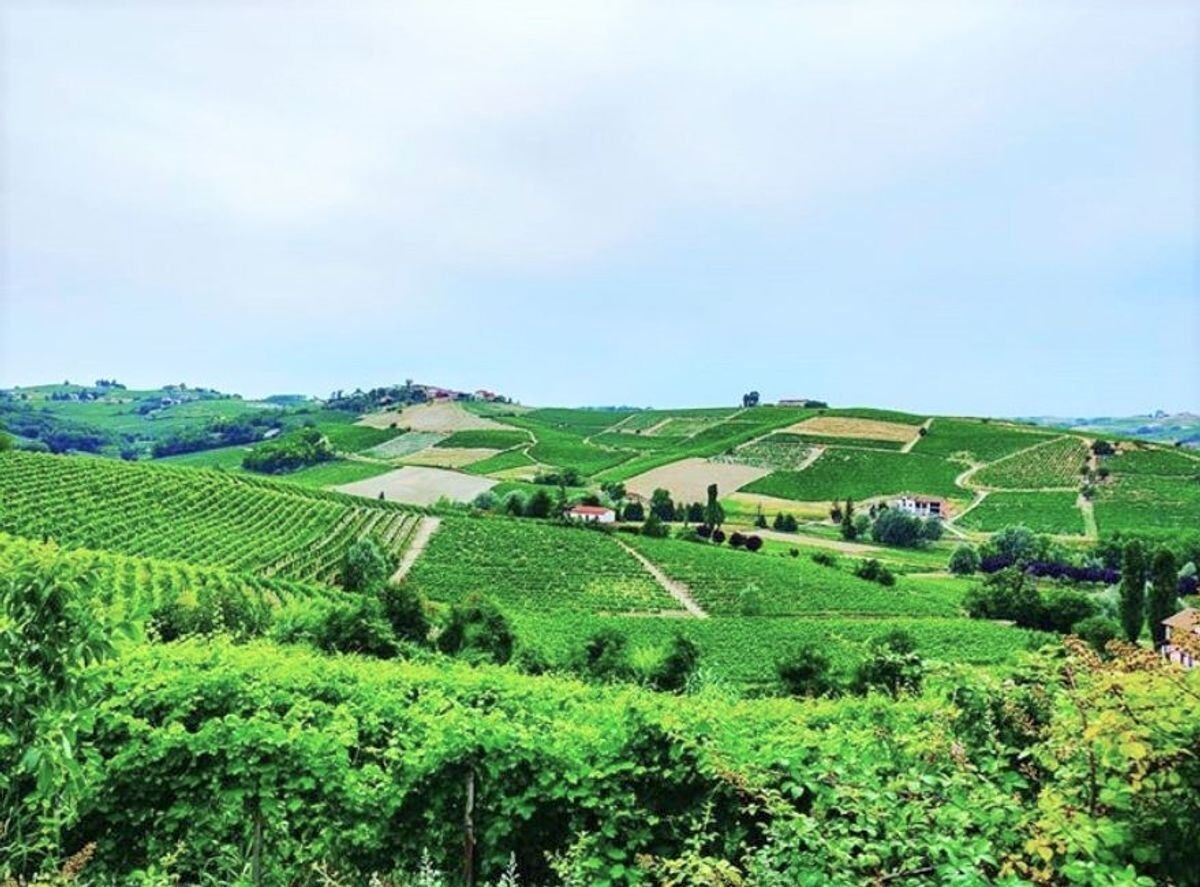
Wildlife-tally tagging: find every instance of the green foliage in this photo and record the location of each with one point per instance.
(678, 665)
(1097, 631)
(364, 565)
(805, 672)
(1048, 511)
(654, 528)
(477, 631)
(404, 610)
(873, 571)
(50, 632)
(892, 665)
(895, 527)
(485, 438)
(1133, 590)
(975, 440)
(964, 561)
(298, 449)
(1054, 463)
(1164, 584)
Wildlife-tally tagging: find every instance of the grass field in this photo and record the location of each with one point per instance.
(1043, 512)
(1055, 463)
(862, 474)
(974, 439)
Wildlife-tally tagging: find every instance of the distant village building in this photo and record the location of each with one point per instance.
(592, 514)
(1183, 637)
(925, 508)
(484, 394)
(801, 402)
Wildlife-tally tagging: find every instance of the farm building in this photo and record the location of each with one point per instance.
(1183, 637)
(592, 513)
(920, 507)
(802, 402)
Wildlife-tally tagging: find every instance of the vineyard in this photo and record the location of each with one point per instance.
(203, 517)
(1049, 511)
(727, 582)
(861, 474)
(1056, 463)
(974, 440)
(524, 565)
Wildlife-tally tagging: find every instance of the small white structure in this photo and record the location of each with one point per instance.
(1183, 637)
(925, 508)
(592, 514)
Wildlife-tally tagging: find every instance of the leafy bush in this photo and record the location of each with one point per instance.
(892, 665)
(1097, 631)
(678, 665)
(654, 528)
(753, 543)
(604, 657)
(894, 527)
(404, 610)
(824, 558)
(873, 571)
(964, 561)
(805, 672)
(364, 565)
(477, 631)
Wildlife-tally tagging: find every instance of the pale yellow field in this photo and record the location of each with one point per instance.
(688, 479)
(420, 486)
(838, 426)
(749, 503)
(444, 416)
(449, 457)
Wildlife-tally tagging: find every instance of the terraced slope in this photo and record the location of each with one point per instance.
(203, 517)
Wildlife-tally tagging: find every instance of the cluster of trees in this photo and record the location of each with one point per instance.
(51, 432)
(887, 526)
(892, 665)
(359, 401)
(295, 450)
(220, 432)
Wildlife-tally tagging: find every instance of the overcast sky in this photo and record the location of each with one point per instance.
(962, 207)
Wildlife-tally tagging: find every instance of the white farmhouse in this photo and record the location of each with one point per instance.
(1183, 637)
(920, 507)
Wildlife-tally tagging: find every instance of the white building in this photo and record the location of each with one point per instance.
(592, 514)
(1183, 637)
(920, 507)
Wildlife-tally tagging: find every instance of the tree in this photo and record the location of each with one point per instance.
(355, 624)
(514, 505)
(404, 610)
(1164, 586)
(1006, 594)
(538, 505)
(753, 543)
(964, 561)
(931, 530)
(849, 531)
(750, 399)
(364, 565)
(661, 505)
(894, 527)
(805, 672)
(695, 513)
(634, 512)
(654, 528)
(1132, 603)
(477, 631)
(1097, 631)
(714, 514)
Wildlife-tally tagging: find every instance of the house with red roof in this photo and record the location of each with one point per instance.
(1183, 637)
(591, 514)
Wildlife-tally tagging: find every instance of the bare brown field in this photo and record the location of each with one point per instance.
(418, 485)
(445, 416)
(839, 426)
(688, 479)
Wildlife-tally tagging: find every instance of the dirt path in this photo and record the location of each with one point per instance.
(1088, 510)
(676, 589)
(425, 530)
(907, 448)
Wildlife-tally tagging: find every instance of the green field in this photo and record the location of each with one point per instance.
(1148, 502)
(401, 445)
(486, 438)
(862, 474)
(206, 517)
(1055, 463)
(975, 440)
(1154, 461)
(526, 565)
(1051, 511)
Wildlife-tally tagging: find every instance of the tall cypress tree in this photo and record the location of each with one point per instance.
(1133, 590)
(848, 529)
(1163, 592)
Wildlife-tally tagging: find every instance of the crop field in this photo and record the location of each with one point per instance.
(567, 449)
(777, 452)
(406, 444)
(201, 516)
(510, 460)
(688, 479)
(1049, 511)
(419, 485)
(485, 439)
(349, 438)
(1055, 463)
(1154, 461)
(639, 442)
(535, 567)
(444, 457)
(131, 587)
(861, 474)
(581, 422)
(721, 578)
(855, 428)
(744, 651)
(1147, 502)
(975, 440)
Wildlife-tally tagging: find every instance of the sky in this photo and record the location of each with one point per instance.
(978, 208)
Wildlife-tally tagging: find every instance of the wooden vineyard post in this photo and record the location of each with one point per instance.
(256, 851)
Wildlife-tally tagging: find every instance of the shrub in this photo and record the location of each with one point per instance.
(485, 501)
(634, 512)
(718, 536)
(514, 505)
(307, 446)
(354, 624)
(873, 571)
(824, 558)
(736, 540)
(678, 665)
(964, 561)
(753, 543)
(364, 565)
(538, 504)
(1097, 631)
(1007, 594)
(805, 672)
(605, 656)
(932, 530)
(404, 610)
(477, 631)
(1062, 610)
(892, 665)
(784, 522)
(655, 528)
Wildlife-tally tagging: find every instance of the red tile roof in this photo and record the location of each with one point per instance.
(591, 509)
